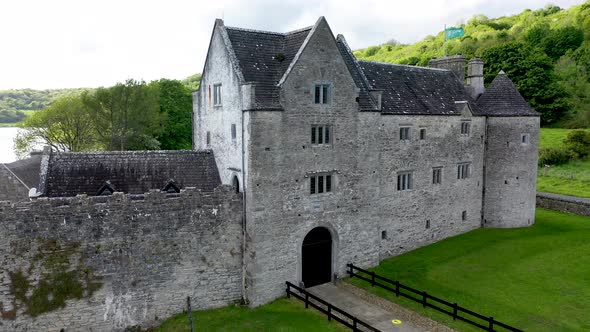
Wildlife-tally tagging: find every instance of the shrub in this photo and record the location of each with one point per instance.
(578, 143)
(372, 50)
(553, 156)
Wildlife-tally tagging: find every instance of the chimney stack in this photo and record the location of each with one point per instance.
(455, 63)
(475, 77)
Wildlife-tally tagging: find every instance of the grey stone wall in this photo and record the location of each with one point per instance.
(563, 203)
(11, 189)
(149, 252)
(511, 172)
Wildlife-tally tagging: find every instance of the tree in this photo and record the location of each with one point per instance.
(176, 106)
(65, 126)
(531, 70)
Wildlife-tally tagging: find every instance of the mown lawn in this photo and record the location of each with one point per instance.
(286, 315)
(535, 278)
(552, 137)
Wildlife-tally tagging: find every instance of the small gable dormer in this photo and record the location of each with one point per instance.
(171, 187)
(106, 189)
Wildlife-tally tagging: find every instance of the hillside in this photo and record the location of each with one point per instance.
(546, 52)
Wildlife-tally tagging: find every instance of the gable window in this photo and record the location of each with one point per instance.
(524, 139)
(322, 94)
(436, 175)
(404, 181)
(404, 133)
(233, 131)
(465, 128)
(422, 133)
(463, 170)
(217, 95)
(321, 135)
(319, 184)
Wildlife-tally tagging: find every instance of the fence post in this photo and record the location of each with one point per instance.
(354, 328)
(288, 290)
(350, 270)
(491, 326)
(329, 312)
(306, 300)
(373, 279)
(397, 288)
(190, 312)
(454, 311)
(424, 295)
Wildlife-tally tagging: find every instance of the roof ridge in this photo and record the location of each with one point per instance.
(408, 66)
(270, 32)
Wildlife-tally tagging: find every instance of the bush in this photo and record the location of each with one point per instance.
(372, 50)
(553, 156)
(577, 143)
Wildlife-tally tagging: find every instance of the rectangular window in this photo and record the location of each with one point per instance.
(465, 128)
(320, 135)
(524, 139)
(322, 94)
(233, 131)
(423, 133)
(217, 94)
(404, 181)
(463, 170)
(436, 175)
(319, 184)
(404, 133)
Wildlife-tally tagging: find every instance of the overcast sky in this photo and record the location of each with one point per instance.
(82, 43)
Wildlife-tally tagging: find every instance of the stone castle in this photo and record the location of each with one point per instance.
(305, 160)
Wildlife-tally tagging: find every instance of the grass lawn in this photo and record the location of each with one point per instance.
(572, 178)
(552, 137)
(535, 278)
(281, 315)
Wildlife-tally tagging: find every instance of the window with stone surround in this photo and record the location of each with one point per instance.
(422, 133)
(465, 127)
(322, 93)
(404, 133)
(320, 183)
(436, 175)
(404, 181)
(217, 95)
(321, 135)
(524, 139)
(463, 170)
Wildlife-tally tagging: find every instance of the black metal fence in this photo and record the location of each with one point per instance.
(329, 309)
(452, 309)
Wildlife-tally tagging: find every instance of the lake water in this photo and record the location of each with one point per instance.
(7, 135)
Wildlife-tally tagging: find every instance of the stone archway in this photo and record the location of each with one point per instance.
(316, 257)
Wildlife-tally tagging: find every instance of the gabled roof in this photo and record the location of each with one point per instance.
(134, 172)
(27, 170)
(502, 98)
(263, 58)
(416, 90)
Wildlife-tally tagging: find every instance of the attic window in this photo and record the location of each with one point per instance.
(106, 189)
(280, 57)
(322, 93)
(171, 187)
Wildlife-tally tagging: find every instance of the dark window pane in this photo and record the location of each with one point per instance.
(399, 182)
(313, 137)
(320, 184)
(422, 133)
(328, 183)
(320, 135)
(326, 94)
(327, 141)
(312, 185)
(317, 94)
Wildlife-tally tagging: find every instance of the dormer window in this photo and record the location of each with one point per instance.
(322, 93)
(217, 95)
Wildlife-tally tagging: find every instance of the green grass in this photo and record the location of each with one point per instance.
(572, 178)
(281, 315)
(552, 137)
(535, 278)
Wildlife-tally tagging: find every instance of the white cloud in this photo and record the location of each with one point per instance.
(82, 43)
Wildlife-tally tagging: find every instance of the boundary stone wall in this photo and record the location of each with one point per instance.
(143, 254)
(563, 203)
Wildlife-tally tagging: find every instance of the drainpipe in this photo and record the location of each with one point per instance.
(244, 231)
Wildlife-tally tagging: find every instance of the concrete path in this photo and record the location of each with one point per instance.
(373, 310)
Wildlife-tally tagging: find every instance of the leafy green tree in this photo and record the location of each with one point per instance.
(192, 82)
(575, 80)
(531, 70)
(176, 105)
(66, 126)
(559, 41)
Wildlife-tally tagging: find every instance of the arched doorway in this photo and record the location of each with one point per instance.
(316, 257)
(236, 184)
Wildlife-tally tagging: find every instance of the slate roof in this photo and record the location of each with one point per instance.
(135, 172)
(27, 170)
(416, 90)
(257, 51)
(502, 98)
